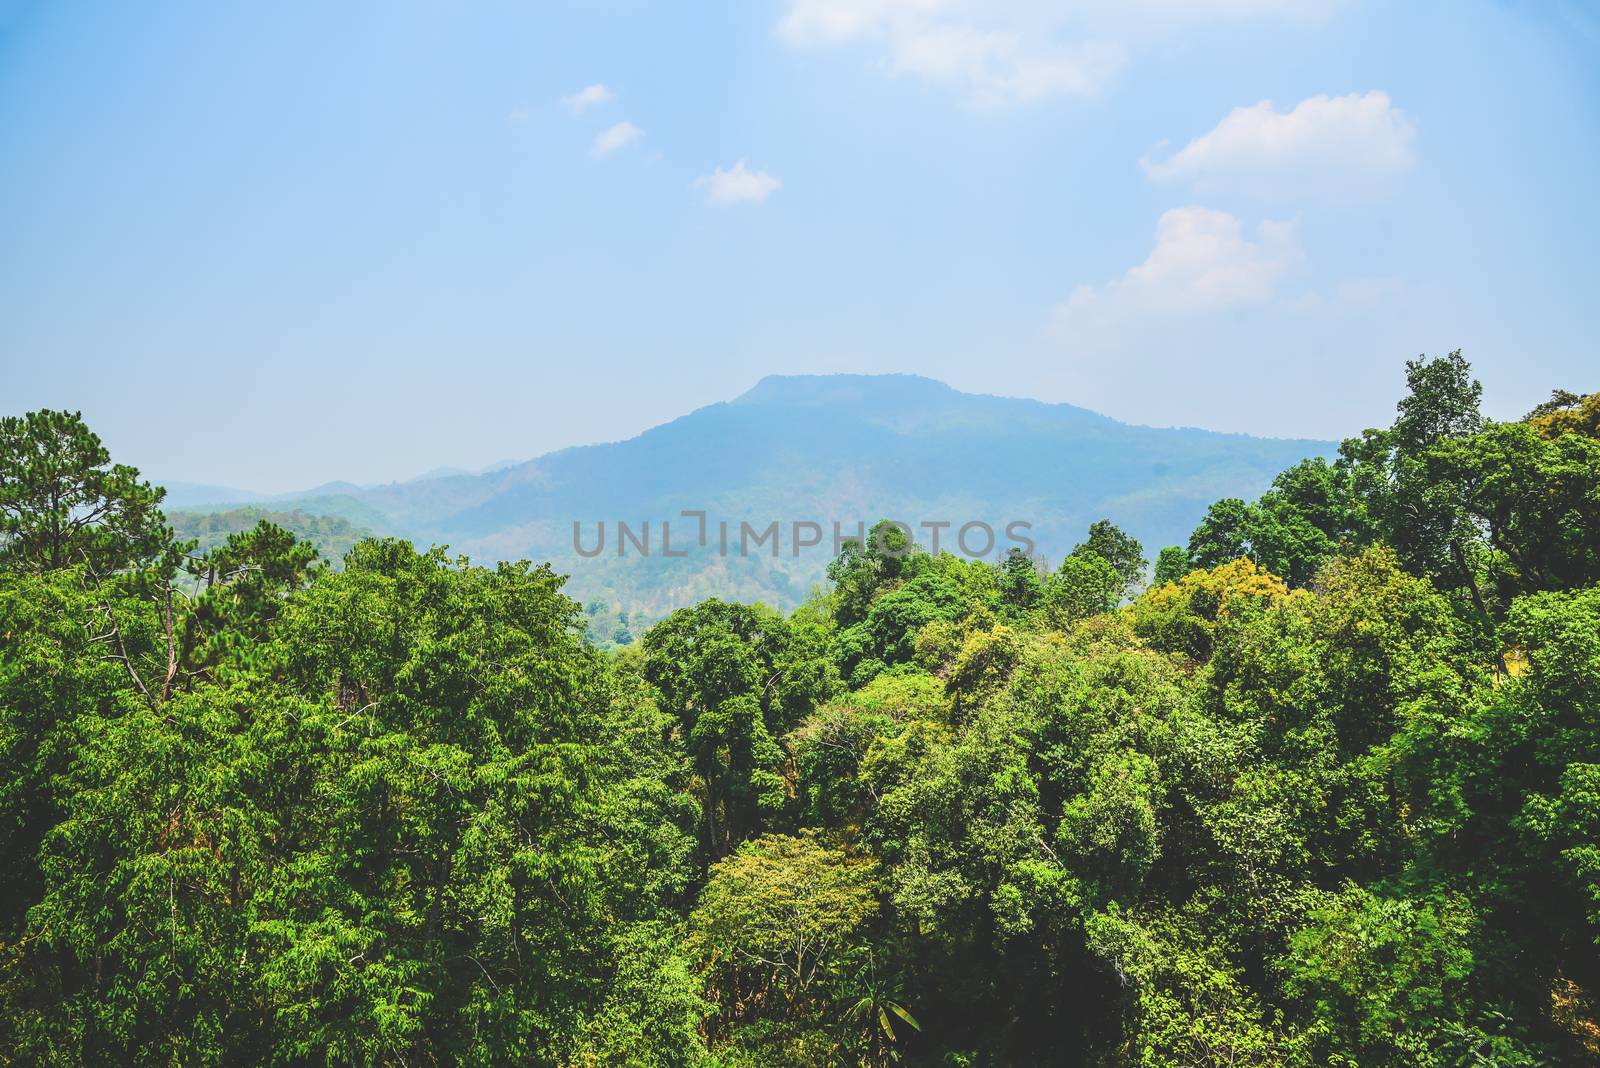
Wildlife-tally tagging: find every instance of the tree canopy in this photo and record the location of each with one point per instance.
(1324, 791)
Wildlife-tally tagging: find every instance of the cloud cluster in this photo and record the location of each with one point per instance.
(588, 97)
(1325, 148)
(737, 185)
(1006, 52)
(997, 53)
(1342, 142)
(615, 137)
(1202, 262)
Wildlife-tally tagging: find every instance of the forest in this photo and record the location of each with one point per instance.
(1319, 788)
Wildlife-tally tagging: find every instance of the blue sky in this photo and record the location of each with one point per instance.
(268, 246)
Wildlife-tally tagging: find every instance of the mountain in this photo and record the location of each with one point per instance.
(199, 495)
(332, 535)
(823, 448)
(440, 472)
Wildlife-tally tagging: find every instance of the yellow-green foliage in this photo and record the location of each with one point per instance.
(775, 913)
(904, 696)
(1581, 416)
(982, 667)
(1182, 617)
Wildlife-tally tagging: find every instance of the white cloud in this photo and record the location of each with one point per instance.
(1000, 52)
(1349, 142)
(612, 138)
(999, 67)
(1202, 263)
(738, 184)
(1180, 9)
(813, 22)
(835, 21)
(997, 53)
(588, 97)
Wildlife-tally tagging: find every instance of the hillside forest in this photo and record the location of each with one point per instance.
(1320, 787)
(846, 448)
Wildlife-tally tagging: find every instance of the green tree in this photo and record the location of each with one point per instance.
(1172, 563)
(422, 813)
(1223, 535)
(1413, 511)
(57, 686)
(864, 568)
(932, 592)
(1117, 548)
(1381, 973)
(1309, 514)
(1566, 413)
(1085, 585)
(1019, 581)
(736, 678)
(774, 920)
(1442, 401)
(62, 501)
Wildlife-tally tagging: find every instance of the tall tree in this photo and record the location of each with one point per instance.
(62, 501)
(1442, 401)
(1223, 534)
(1019, 580)
(1119, 549)
(736, 678)
(1172, 563)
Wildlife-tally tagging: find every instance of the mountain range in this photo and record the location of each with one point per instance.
(823, 448)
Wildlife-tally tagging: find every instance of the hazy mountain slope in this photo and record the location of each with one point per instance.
(824, 448)
(332, 535)
(187, 495)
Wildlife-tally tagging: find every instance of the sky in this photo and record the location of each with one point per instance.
(272, 245)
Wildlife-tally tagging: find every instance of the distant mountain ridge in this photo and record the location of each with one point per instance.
(821, 448)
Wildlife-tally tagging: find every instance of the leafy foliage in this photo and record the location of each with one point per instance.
(63, 503)
(1327, 792)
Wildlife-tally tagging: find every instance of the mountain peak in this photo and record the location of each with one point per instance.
(845, 389)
